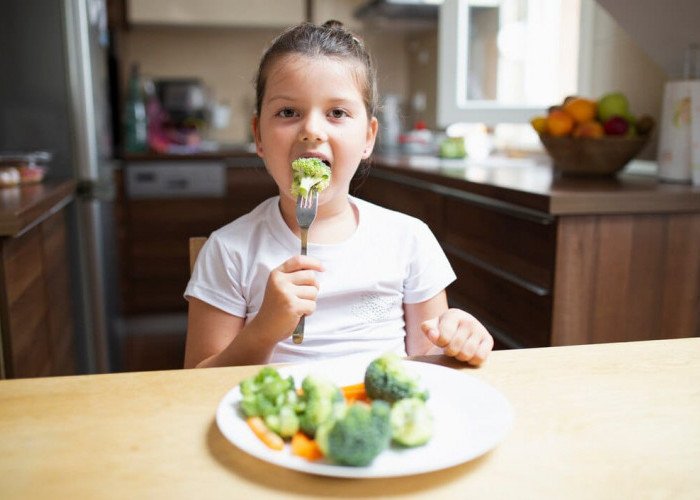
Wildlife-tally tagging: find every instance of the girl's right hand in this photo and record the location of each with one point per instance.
(290, 293)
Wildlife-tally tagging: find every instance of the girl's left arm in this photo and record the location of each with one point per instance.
(433, 328)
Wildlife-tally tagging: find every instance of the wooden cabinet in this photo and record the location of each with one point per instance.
(232, 13)
(35, 293)
(154, 235)
(539, 279)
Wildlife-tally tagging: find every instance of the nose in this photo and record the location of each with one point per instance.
(312, 129)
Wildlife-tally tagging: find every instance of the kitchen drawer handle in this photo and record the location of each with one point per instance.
(491, 269)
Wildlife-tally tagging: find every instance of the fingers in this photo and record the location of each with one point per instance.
(299, 263)
(460, 336)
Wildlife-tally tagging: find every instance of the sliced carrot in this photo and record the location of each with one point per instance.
(305, 447)
(260, 429)
(354, 392)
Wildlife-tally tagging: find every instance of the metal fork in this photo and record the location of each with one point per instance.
(306, 213)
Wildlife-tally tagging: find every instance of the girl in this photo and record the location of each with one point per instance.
(373, 281)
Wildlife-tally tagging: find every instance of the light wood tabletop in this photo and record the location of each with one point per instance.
(604, 421)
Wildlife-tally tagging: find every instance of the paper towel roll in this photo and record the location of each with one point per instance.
(679, 131)
(695, 133)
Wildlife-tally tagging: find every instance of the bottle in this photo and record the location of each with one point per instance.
(135, 119)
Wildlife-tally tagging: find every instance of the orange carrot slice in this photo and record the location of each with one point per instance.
(354, 392)
(305, 447)
(260, 429)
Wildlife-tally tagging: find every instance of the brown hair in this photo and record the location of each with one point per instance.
(331, 40)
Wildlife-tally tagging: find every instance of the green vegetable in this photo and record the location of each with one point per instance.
(285, 423)
(310, 173)
(323, 400)
(359, 436)
(388, 378)
(274, 398)
(411, 422)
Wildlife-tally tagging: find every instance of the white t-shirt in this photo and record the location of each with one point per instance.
(391, 259)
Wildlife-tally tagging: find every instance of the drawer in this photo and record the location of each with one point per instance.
(519, 314)
(518, 248)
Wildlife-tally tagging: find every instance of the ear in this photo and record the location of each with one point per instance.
(255, 127)
(371, 137)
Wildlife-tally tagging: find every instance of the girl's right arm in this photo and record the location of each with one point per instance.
(217, 338)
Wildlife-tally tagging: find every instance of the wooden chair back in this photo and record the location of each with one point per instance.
(196, 244)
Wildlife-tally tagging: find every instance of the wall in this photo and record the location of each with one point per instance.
(226, 59)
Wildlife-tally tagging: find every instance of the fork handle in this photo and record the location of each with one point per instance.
(298, 334)
(304, 240)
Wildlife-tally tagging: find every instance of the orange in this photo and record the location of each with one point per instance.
(539, 123)
(559, 123)
(581, 110)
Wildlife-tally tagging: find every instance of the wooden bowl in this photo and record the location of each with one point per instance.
(602, 156)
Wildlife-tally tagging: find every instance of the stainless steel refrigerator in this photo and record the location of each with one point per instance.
(55, 96)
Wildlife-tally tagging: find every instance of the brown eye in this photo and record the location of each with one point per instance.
(338, 113)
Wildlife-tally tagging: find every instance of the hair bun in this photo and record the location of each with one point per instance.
(333, 23)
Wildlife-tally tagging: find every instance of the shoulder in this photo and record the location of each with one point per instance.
(238, 234)
(242, 226)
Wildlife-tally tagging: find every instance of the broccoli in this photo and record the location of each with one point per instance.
(388, 378)
(411, 422)
(310, 173)
(272, 397)
(285, 422)
(323, 401)
(358, 436)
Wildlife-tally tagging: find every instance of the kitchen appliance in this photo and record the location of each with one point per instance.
(55, 97)
(185, 100)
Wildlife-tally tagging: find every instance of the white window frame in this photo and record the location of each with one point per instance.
(452, 105)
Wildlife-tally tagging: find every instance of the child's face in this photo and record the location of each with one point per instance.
(313, 107)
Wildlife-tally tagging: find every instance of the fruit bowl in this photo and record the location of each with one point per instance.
(600, 156)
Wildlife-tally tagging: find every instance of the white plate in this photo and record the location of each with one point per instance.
(471, 418)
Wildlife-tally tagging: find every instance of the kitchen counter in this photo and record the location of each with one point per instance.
(36, 311)
(23, 206)
(530, 185)
(604, 421)
(546, 260)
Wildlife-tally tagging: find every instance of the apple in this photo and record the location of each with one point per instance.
(616, 125)
(612, 104)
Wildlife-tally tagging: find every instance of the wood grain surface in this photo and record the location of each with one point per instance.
(605, 421)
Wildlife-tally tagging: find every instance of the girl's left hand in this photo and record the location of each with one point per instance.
(460, 336)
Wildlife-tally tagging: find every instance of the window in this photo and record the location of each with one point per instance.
(504, 61)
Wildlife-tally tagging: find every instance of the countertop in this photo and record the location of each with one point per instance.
(21, 207)
(603, 421)
(533, 185)
(529, 184)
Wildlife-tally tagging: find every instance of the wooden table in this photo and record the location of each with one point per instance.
(605, 421)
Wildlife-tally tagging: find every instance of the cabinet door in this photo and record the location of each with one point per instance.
(242, 13)
(36, 316)
(154, 237)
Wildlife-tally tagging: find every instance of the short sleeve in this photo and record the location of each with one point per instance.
(429, 271)
(216, 278)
